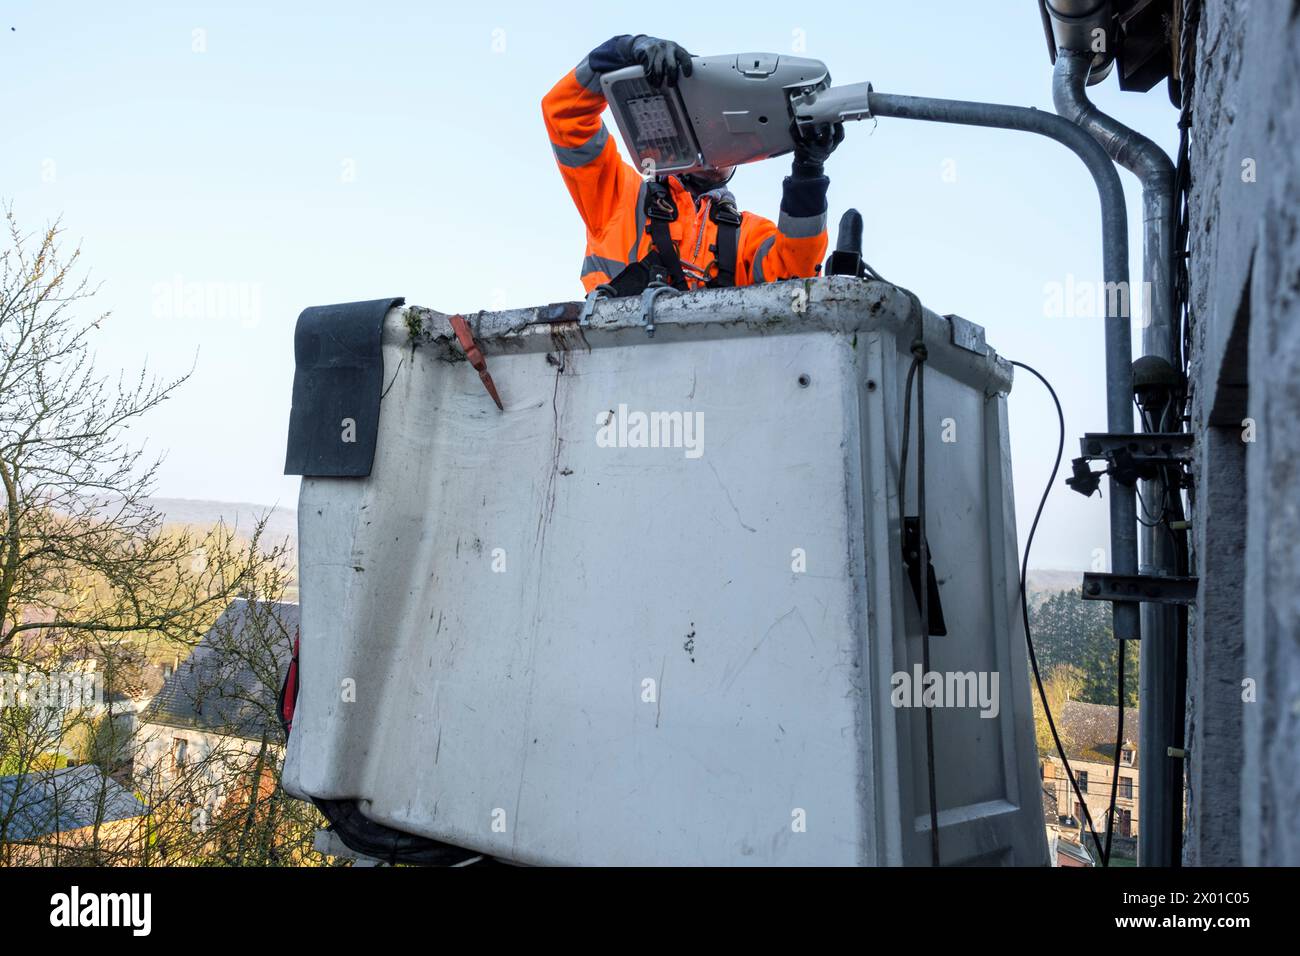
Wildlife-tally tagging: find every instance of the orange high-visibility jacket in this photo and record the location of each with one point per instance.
(610, 196)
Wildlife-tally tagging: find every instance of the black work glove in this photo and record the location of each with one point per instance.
(813, 146)
(663, 60)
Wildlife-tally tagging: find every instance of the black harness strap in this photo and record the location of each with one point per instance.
(634, 279)
(727, 218)
(660, 210)
(664, 261)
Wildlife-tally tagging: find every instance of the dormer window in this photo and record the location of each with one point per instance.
(1126, 755)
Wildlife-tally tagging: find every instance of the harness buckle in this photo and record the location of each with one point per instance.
(659, 203)
(725, 213)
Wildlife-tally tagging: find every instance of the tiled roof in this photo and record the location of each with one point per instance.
(1088, 730)
(1074, 850)
(1050, 803)
(60, 801)
(230, 681)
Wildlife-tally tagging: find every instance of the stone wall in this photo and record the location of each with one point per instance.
(1244, 653)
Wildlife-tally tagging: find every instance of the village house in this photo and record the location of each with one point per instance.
(217, 713)
(69, 817)
(1088, 734)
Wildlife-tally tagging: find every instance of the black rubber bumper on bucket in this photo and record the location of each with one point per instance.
(337, 383)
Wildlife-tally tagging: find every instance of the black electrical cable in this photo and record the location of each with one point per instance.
(919, 356)
(923, 563)
(907, 427)
(1119, 742)
(1024, 608)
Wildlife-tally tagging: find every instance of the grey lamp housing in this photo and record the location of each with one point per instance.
(731, 110)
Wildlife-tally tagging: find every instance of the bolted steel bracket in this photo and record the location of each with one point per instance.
(1143, 448)
(1128, 457)
(1139, 588)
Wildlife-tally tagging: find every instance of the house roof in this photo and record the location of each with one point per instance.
(1074, 850)
(1051, 813)
(59, 801)
(1088, 730)
(231, 679)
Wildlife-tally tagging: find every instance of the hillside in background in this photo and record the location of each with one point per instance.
(1043, 583)
(282, 524)
(241, 516)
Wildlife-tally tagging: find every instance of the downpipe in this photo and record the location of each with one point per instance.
(1114, 222)
(1148, 162)
(1160, 796)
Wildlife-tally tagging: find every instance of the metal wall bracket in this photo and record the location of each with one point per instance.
(1128, 457)
(1139, 588)
(1153, 448)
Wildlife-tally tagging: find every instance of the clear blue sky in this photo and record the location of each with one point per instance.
(327, 152)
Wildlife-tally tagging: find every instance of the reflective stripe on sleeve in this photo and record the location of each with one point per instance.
(611, 267)
(759, 256)
(801, 227)
(640, 223)
(574, 156)
(587, 78)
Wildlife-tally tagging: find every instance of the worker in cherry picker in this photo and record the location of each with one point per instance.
(684, 229)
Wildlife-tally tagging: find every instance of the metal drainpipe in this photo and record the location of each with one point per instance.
(1114, 220)
(1160, 795)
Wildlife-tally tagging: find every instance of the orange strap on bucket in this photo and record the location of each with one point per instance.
(475, 356)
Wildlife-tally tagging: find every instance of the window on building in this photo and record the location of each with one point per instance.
(1126, 755)
(1125, 823)
(1126, 787)
(1083, 781)
(179, 748)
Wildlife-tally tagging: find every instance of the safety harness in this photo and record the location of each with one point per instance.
(663, 263)
(726, 217)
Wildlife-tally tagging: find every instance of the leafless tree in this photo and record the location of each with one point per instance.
(91, 578)
(82, 552)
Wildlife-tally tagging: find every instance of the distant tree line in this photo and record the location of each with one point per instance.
(1076, 634)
